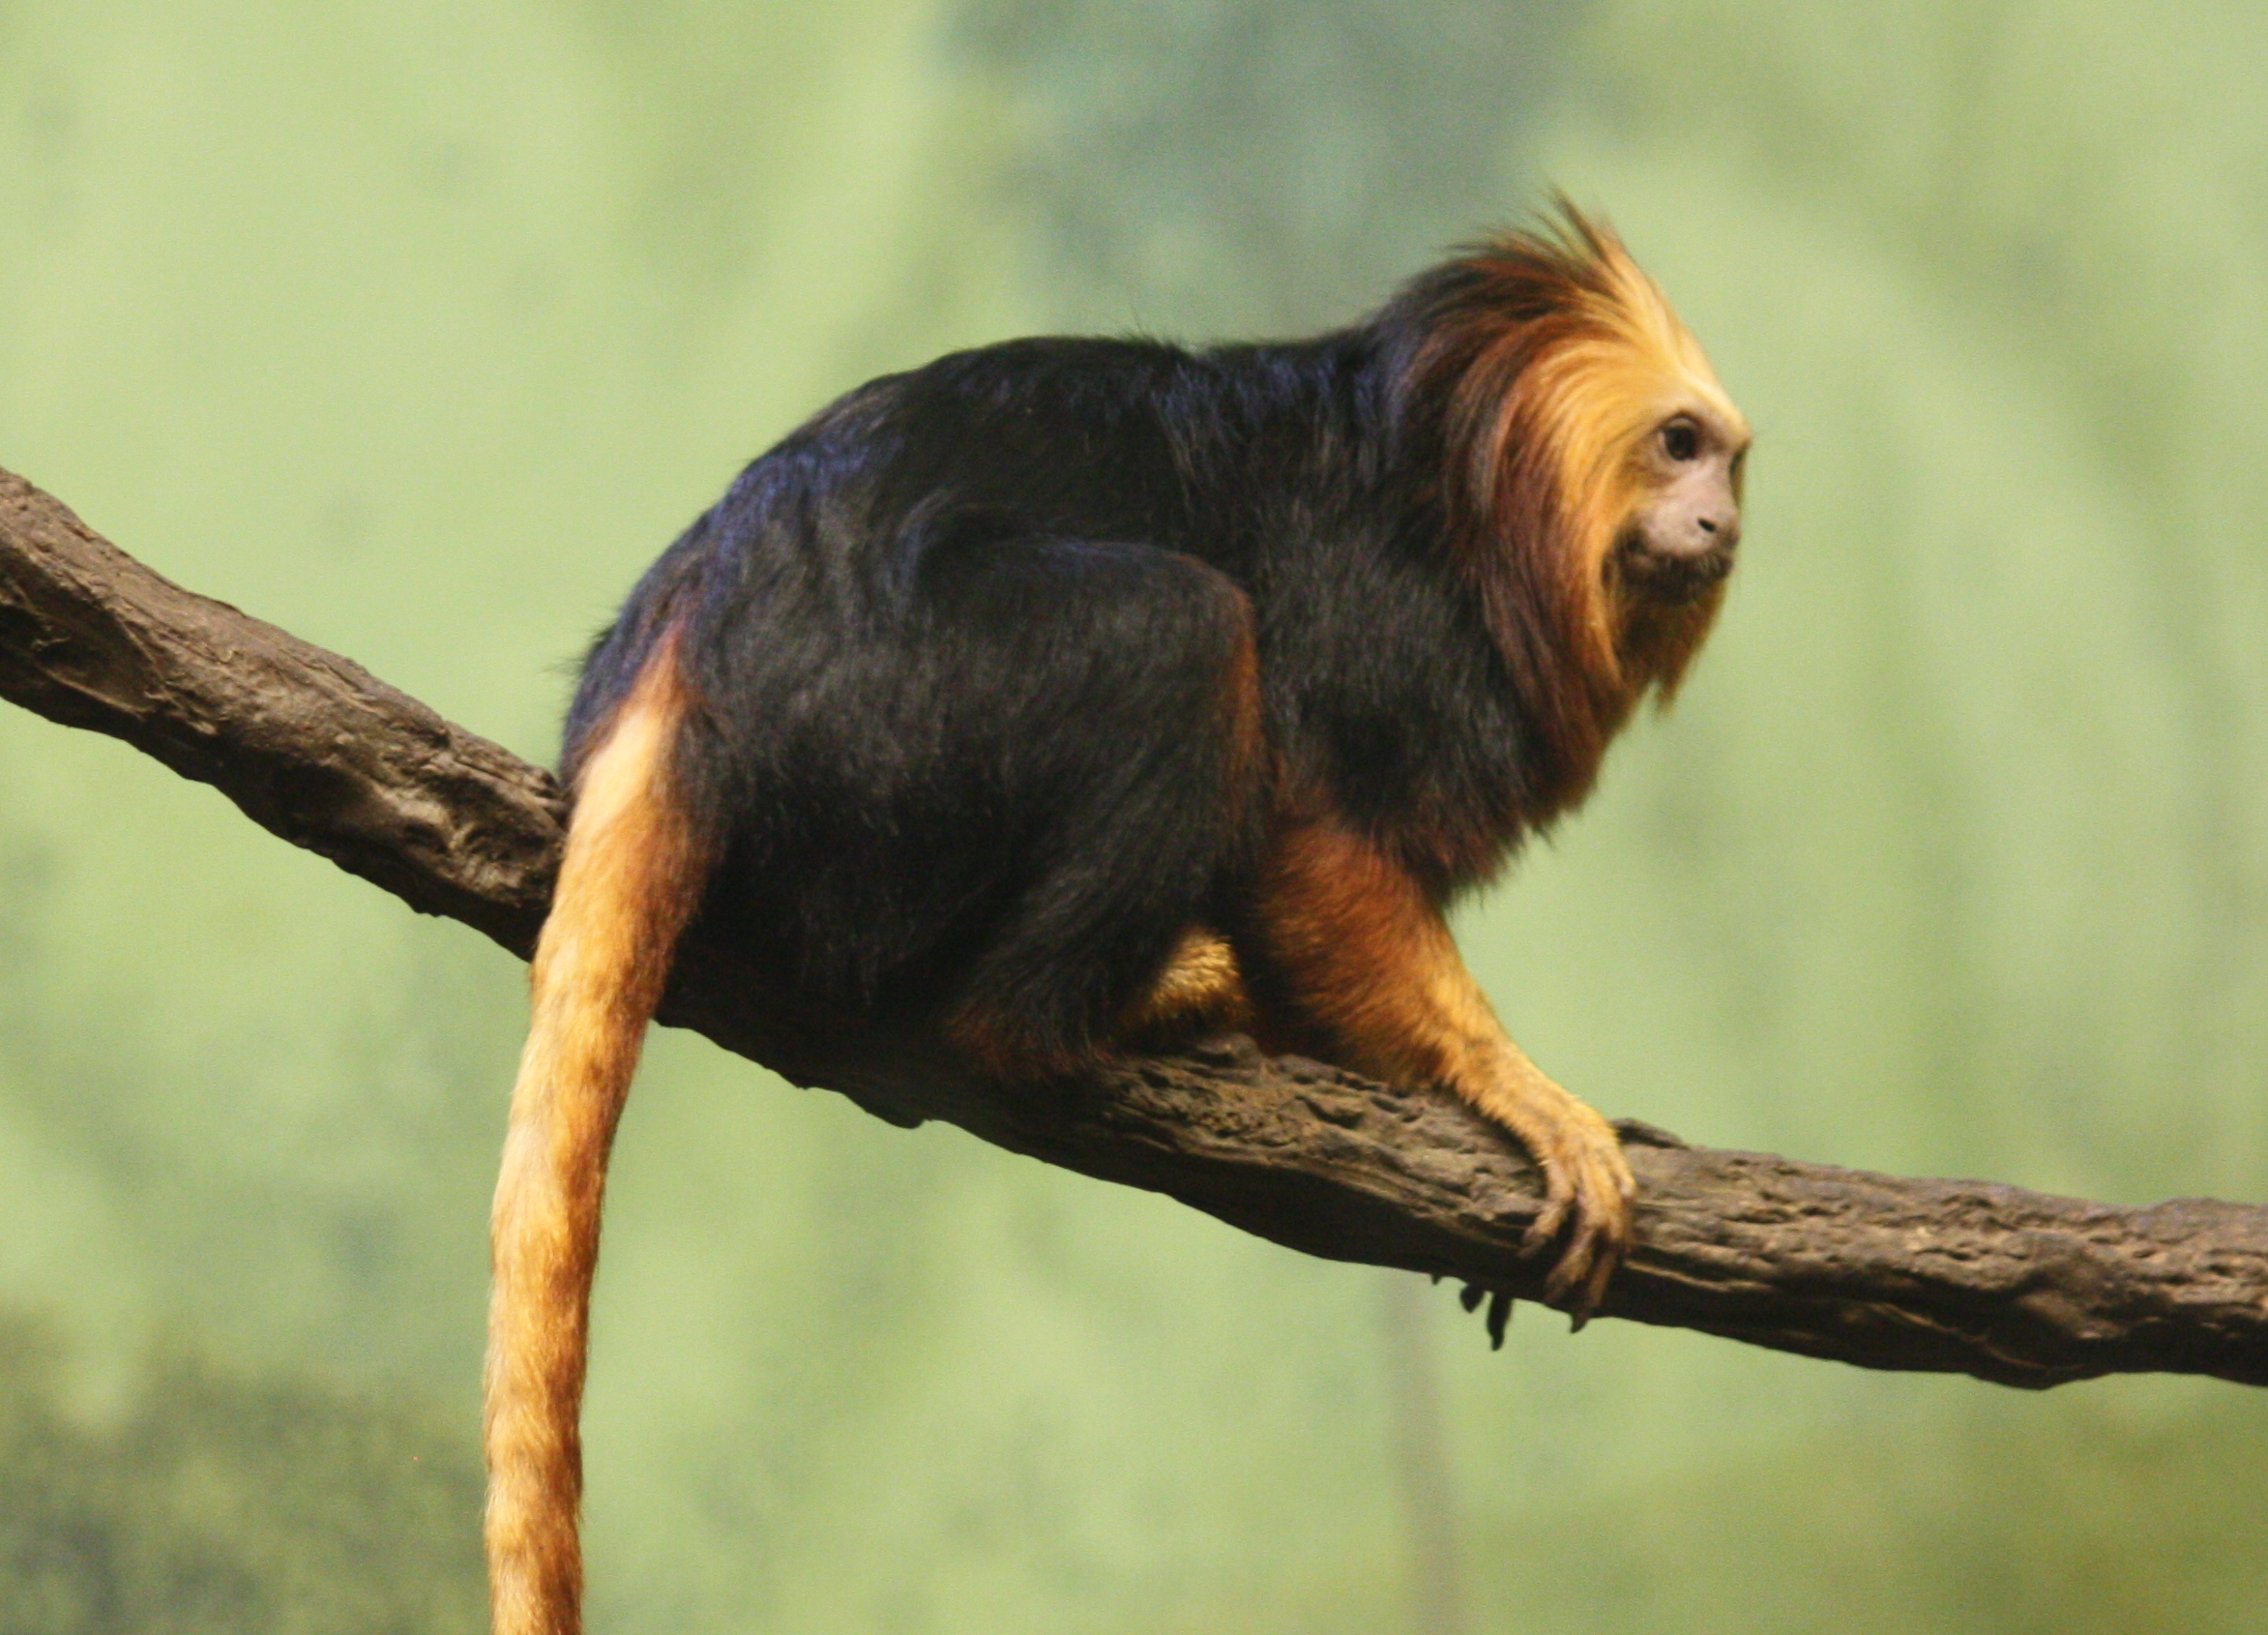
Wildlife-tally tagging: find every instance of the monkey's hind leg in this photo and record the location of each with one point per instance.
(629, 880)
(1130, 720)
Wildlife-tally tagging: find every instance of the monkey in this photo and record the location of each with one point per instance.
(1066, 695)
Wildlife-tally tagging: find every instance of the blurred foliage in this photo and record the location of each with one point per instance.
(418, 330)
(1228, 167)
(224, 1505)
(2071, 1521)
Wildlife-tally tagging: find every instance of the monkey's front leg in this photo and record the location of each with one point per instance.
(1375, 981)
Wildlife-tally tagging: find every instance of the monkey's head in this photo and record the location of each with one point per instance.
(1595, 466)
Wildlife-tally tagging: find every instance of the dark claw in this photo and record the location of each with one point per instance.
(1499, 1318)
(1470, 1295)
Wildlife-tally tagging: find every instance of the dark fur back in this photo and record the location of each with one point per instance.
(958, 650)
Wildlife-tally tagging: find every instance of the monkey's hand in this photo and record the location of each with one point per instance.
(1587, 1186)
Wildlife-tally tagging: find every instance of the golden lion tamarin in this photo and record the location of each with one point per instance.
(1068, 692)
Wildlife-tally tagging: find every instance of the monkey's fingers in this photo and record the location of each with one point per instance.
(1595, 1248)
(1579, 1282)
(1558, 1199)
(1595, 1290)
(1587, 1192)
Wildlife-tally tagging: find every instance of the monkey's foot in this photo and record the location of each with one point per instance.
(1587, 1192)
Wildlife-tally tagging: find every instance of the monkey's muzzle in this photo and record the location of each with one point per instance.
(1679, 573)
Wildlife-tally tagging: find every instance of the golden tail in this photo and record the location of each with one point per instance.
(630, 878)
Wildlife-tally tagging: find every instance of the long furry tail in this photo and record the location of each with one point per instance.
(631, 876)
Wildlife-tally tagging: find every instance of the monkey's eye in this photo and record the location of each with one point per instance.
(1681, 440)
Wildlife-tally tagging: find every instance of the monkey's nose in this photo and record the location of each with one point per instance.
(1719, 531)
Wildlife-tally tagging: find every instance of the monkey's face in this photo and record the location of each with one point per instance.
(1644, 453)
(1685, 523)
(1651, 454)
(1605, 461)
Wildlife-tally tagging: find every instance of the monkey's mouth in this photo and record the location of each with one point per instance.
(1673, 575)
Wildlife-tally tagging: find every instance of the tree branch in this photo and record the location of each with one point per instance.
(1957, 1276)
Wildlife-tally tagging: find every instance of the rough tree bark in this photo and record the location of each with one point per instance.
(1958, 1276)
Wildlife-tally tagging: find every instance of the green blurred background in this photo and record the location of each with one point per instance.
(419, 328)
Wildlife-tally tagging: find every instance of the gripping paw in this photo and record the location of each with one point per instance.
(1587, 1192)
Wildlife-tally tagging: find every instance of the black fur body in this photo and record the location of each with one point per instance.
(963, 655)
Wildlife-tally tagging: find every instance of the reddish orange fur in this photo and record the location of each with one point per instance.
(627, 883)
(1348, 939)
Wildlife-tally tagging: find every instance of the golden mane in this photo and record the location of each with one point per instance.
(1556, 357)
